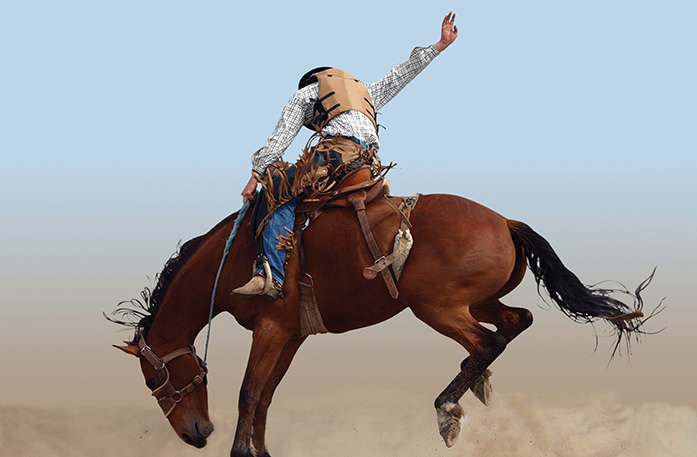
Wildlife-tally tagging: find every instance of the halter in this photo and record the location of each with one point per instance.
(167, 396)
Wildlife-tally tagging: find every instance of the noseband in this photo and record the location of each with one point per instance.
(167, 396)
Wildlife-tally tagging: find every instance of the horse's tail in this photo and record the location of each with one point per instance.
(580, 302)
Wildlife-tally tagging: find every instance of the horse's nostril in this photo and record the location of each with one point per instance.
(197, 441)
(204, 430)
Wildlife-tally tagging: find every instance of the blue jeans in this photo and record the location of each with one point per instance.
(284, 216)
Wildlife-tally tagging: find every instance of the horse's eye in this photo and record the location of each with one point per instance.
(151, 383)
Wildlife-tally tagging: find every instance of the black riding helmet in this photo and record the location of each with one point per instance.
(309, 77)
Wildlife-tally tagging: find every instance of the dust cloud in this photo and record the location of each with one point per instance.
(369, 423)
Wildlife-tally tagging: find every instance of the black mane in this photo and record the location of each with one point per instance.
(140, 313)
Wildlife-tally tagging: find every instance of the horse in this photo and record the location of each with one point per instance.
(464, 259)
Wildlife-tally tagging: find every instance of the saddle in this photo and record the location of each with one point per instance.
(355, 182)
(355, 190)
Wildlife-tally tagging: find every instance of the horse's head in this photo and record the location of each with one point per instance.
(178, 382)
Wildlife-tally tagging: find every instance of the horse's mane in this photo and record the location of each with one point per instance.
(140, 313)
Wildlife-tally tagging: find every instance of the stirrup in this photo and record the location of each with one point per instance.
(268, 283)
(266, 274)
(274, 292)
(272, 288)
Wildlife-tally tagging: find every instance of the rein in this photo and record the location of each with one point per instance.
(235, 228)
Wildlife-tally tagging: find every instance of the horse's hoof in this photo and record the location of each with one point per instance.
(449, 415)
(482, 388)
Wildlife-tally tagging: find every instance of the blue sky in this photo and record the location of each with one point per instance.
(128, 126)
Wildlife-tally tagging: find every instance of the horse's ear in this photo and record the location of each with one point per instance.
(130, 348)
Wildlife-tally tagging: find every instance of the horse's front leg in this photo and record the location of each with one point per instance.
(268, 340)
(259, 427)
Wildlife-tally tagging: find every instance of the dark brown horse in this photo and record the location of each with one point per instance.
(465, 258)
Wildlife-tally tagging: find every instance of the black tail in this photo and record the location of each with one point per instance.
(581, 303)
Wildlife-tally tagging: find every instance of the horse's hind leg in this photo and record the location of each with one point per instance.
(483, 345)
(510, 322)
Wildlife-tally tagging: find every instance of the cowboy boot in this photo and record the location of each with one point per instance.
(259, 285)
(255, 286)
(262, 283)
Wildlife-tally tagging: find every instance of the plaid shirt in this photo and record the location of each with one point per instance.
(301, 105)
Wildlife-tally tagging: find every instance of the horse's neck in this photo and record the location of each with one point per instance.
(186, 305)
(176, 325)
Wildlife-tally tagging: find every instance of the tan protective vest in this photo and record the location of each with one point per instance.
(340, 92)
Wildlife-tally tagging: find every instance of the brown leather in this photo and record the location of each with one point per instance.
(171, 396)
(405, 217)
(309, 206)
(372, 190)
(358, 179)
(347, 149)
(357, 199)
(355, 190)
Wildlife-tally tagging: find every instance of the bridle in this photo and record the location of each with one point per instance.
(167, 396)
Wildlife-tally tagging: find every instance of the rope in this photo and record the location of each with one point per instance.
(235, 228)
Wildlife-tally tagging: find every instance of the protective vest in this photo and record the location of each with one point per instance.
(340, 92)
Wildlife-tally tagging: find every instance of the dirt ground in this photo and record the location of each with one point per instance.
(369, 423)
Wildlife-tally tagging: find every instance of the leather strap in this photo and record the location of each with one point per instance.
(357, 199)
(402, 248)
(405, 218)
(172, 396)
(345, 190)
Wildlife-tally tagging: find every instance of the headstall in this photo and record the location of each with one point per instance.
(167, 396)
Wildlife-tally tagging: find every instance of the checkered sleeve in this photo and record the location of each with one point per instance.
(384, 90)
(296, 113)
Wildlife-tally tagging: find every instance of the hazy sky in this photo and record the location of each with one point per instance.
(128, 126)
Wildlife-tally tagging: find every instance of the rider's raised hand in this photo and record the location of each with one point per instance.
(448, 32)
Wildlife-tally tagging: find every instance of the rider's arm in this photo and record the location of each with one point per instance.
(296, 113)
(383, 90)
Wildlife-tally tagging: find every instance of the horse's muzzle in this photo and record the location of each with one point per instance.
(198, 436)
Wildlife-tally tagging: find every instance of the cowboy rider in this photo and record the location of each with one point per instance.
(348, 138)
